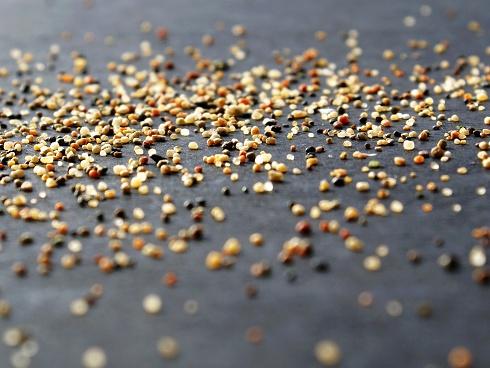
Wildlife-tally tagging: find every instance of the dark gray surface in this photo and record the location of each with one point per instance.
(294, 316)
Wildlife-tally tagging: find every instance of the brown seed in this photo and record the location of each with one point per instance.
(251, 291)
(303, 227)
(414, 256)
(260, 269)
(419, 160)
(324, 226)
(19, 269)
(424, 310)
(481, 276)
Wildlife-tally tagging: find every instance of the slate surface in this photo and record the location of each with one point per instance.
(294, 316)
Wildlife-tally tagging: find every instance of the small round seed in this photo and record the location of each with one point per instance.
(328, 353)
(79, 307)
(94, 357)
(372, 263)
(460, 357)
(152, 304)
(168, 347)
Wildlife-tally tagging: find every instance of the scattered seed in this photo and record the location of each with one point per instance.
(372, 263)
(254, 335)
(460, 357)
(168, 347)
(408, 145)
(328, 353)
(218, 214)
(79, 307)
(94, 357)
(152, 304)
(214, 260)
(256, 239)
(232, 247)
(394, 308)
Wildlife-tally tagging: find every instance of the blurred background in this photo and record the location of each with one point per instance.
(294, 317)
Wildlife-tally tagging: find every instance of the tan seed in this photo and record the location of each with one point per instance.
(168, 347)
(94, 357)
(328, 353)
(372, 263)
(214, 260)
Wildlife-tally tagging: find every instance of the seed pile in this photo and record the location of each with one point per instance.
(142, 119)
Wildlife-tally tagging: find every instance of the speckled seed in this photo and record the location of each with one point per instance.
(328, 353)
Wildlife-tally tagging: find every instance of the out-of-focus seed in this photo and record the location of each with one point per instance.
(328, 353)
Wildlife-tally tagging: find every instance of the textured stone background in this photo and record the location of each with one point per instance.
(294, 316)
